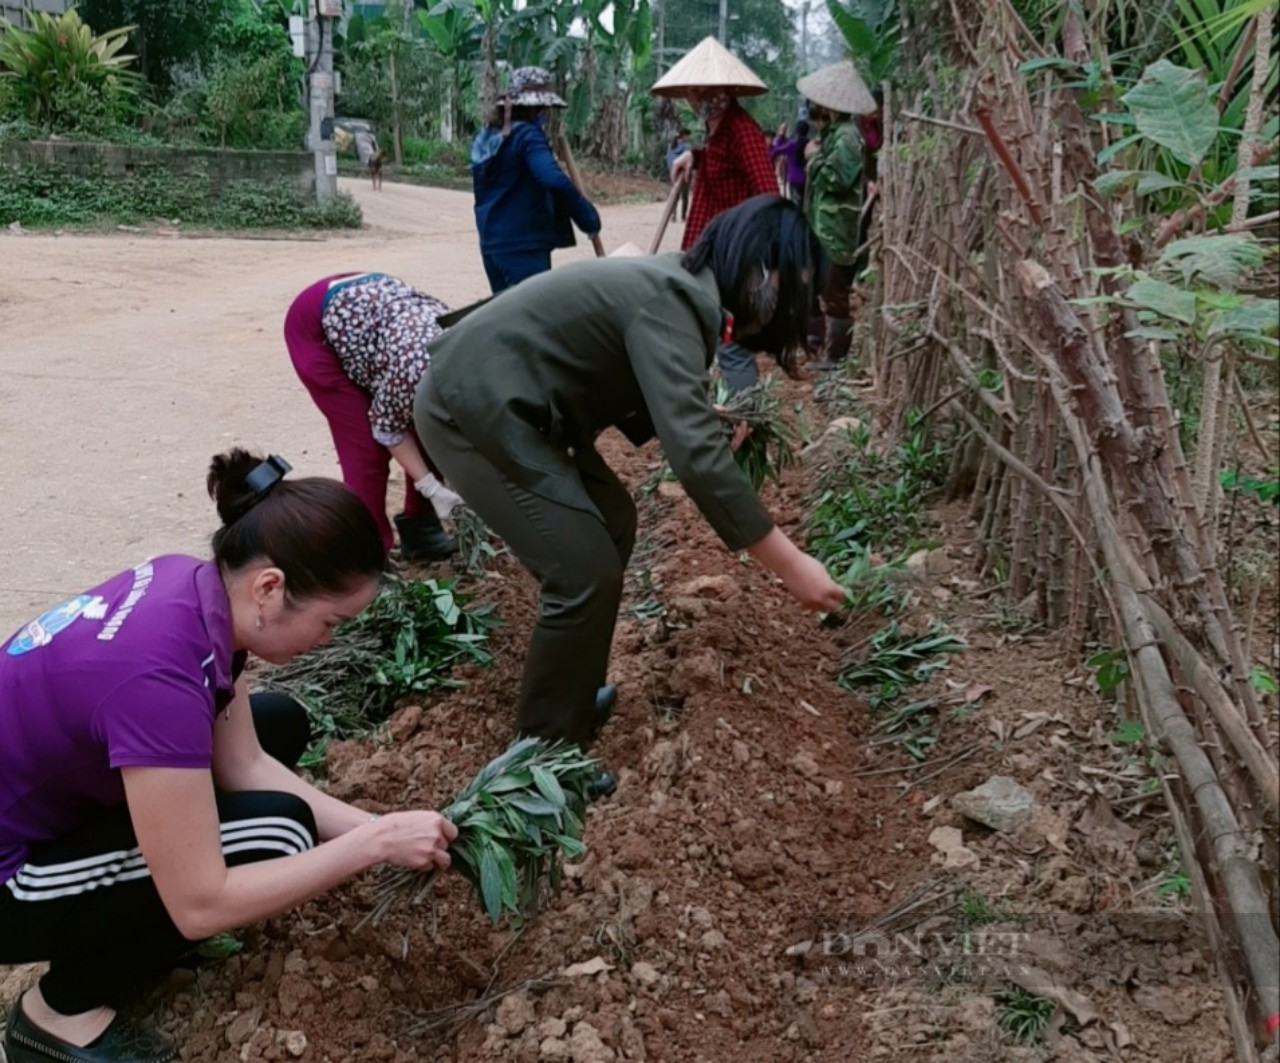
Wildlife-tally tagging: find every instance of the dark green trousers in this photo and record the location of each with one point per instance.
(578, 558)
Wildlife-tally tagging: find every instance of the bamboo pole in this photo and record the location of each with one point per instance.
(668, 211)
(571, 168)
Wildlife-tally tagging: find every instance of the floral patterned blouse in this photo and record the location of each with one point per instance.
(379, 328)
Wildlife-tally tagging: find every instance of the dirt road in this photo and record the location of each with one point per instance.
(129, 359)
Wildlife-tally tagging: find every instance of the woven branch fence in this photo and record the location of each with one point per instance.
(994, 246)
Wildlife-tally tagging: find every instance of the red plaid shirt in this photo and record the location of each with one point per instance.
(732, 167)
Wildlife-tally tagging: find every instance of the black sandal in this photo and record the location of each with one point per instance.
(124, 1041)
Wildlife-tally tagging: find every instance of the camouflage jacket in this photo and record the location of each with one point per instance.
(833, 191)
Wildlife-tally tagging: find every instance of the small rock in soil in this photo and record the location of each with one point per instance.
(1000, 803)
(554, 1049)
(805, 764)
(717, 587)
(585, 1045)
(950, 844)
(751, 865)
(515, 1012)
(1174, 1007)
(295, 1041)
(926, 564)
(552, 1027)
(644, 973)
(241, 1028)
(712, 940)
(296, 994)
(833, 447)
(405, 723)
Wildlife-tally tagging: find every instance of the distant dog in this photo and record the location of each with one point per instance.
(375, 168)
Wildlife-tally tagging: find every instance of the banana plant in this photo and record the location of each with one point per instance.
(58, 60)
(871, 31)
(455, 32)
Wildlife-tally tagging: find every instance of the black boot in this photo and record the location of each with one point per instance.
(603, 784)
(423, 538)
(606, 699)
(836, 345)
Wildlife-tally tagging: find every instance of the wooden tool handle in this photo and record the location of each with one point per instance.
(667, 212)
(571, 167)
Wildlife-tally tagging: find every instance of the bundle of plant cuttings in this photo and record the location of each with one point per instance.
(473, 539)
(407, 642)
(770, 447)
(517, 819)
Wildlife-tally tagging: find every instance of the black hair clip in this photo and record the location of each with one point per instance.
(264, 477)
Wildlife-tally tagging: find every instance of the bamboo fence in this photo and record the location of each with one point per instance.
(991, 234)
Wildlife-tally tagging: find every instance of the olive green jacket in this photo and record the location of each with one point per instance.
(833, 191)
(532, 376)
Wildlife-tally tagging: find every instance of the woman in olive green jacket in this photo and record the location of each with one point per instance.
(519, 389)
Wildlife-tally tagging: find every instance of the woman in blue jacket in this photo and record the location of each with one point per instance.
(524, 201)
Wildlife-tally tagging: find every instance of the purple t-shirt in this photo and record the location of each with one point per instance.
(131, 673)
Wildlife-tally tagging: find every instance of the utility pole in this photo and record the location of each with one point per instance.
(320, 25)
(662, 36)
(724, 22)
(804, 35)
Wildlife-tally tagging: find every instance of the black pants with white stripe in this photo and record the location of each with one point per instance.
(86, 904)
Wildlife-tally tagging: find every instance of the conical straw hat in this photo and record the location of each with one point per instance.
(838, 87)
(709, 65)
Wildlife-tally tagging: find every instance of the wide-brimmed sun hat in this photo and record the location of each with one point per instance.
(530, 86)
(710, 65)
(838, 87)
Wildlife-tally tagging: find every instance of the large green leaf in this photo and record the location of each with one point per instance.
(1222, 260)
(490, 882)
(1171, 106)
(1165, 299)
(1254, 320)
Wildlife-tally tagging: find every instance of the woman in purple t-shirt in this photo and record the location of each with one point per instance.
(146, 800)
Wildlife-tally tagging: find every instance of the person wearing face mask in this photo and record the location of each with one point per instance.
(147, 800)
(524, 201)
(834, 193)
(732, 165)
(520, 388)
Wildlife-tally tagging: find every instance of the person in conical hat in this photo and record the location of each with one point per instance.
(834, 192)
(732, 165)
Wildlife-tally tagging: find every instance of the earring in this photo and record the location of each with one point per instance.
(258, 622)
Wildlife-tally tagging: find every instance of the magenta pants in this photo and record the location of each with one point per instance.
(365, 462)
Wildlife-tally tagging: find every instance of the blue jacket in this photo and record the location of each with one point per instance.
(523, 199)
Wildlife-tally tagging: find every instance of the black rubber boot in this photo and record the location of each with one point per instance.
(604, 784)
(836, 345)
(423, 538)
(606, 699)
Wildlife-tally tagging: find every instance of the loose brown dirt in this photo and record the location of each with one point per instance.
(756, 806)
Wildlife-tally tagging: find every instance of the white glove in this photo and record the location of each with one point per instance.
(441, 498)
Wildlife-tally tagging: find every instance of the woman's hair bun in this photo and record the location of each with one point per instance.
(226, 481)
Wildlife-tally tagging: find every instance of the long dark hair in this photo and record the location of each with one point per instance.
(316, 531)
(770, 233)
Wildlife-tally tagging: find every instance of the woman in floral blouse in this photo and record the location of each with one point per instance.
(358, 341)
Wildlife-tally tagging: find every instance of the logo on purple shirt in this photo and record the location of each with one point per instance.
(40, 631)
